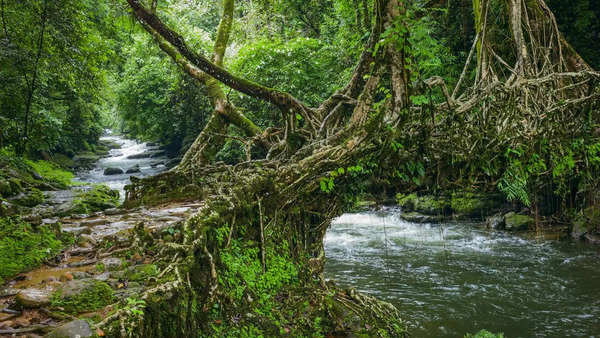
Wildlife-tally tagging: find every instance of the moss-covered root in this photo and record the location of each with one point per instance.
(297, 312)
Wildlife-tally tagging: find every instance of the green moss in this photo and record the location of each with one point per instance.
(32, 198)
(52, 172)
(22, 247)
(143, 272)
(94, 296)
(429, 205)
(517, 222)
(99, 198)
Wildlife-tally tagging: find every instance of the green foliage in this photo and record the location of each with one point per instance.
(52, 172)
(23, 247)
(93, 297)
(306, 68)
(243, 273)
(51, 92)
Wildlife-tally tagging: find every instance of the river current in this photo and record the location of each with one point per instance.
(453, 278)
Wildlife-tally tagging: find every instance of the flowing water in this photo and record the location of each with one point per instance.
(450, 279)
(118, 158)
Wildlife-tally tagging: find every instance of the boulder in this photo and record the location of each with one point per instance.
(34, 298)
(516, 222)
(75, 329)
(113, 171)
(416, 217)
(133, 170)
(139, 156)
(495, 222)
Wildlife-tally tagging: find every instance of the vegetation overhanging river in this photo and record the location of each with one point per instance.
(447, 279)
(452, 278)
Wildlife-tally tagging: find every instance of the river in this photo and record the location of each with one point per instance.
(119, 158)
(453, 278)
(446, 279)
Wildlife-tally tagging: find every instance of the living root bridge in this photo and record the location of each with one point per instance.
(273, 211)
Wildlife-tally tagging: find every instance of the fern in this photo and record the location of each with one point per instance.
(514, 185)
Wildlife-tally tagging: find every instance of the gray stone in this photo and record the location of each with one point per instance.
(113, 211)
(139, 156)
(133, 170)
(102, 277)
(416, 217)
(592, 238)
(75, 329)
(111, 263)
(76, 287)
(34, 298)
(113, 171)
(93, 222)
(78, 230)
(80, 275)
(495, 222)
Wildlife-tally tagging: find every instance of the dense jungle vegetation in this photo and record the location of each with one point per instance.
(71, 69)
(284, 114)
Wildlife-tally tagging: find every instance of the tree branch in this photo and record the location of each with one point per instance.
(284, 101)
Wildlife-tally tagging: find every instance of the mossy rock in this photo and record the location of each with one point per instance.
(474, 205)
(98, 198)
(83, 295)
(427, 205)
(32, 198)
(516, 222)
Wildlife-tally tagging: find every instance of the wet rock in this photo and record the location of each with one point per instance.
(85, 161)
(102, 277)
(515, 222)
(139, 156)
(133, 170)
(94, 222)
(75, 329)
(416, 217)
(112, 171)
(78, 230)
(113, 211)
(156, 164)
(34, 298)
(495, 222)
(80, 275)
(79, 216)
(111, 263)
(89, 239)
(152, 144)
